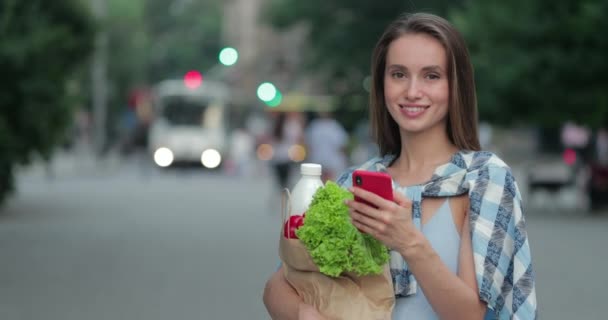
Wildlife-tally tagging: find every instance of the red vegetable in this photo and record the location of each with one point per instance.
(291, 225)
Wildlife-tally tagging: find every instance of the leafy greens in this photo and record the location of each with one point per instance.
(333, 242)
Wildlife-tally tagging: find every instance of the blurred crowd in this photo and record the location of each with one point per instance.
(282, 140)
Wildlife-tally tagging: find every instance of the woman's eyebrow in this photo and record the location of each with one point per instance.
(397, 66)
(435, 68)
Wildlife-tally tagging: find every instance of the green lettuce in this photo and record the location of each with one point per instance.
(333, 242)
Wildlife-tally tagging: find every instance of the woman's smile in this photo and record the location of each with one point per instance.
(413, 111)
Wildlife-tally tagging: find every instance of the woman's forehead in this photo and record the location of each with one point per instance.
(416, 51)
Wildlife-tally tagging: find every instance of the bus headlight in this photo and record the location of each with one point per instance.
(211, 158)
(163, 157)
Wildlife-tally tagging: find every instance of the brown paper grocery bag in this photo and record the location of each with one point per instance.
(348, 297)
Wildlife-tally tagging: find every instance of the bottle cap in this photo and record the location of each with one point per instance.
(310, 169)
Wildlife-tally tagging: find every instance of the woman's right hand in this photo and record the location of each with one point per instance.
(308, 312)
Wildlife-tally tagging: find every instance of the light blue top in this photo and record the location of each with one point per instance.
(441, 232)
(503, 269)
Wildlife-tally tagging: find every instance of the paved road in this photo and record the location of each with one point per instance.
(189, 245)
(185, 246)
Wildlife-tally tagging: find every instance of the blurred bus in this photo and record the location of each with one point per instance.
(190, 124)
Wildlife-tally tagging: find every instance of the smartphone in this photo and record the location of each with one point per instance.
(379, 183)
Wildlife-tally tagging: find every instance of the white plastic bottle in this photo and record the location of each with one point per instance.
(305, 188)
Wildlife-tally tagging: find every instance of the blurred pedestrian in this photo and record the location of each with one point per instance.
(287, 132)
(455, 231)
(326, 141)
(365, 147)
(242, 151)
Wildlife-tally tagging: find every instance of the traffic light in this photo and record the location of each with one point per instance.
(276, 101)
(269, 93)
(193, 79)
(228, 56)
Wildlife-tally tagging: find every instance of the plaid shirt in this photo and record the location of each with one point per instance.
(501, 250)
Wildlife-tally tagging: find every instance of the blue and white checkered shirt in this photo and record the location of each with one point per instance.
(503, 264)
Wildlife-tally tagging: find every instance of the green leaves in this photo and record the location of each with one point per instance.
(335, 245)
(42, 45)
(540, 62)
(182, 35)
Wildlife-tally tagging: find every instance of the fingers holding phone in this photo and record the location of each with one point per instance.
(376, 210)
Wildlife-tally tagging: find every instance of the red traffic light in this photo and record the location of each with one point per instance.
(193, 79)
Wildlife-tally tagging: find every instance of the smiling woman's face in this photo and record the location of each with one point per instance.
(416, 86)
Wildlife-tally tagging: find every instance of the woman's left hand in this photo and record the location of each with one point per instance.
(390, 222)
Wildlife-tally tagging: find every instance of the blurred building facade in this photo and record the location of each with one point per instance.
(265, 54)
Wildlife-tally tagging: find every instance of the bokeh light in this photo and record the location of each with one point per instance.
(569, 156)
(267, 91)
(265, 152)
(297, 153)
(163, 157)
(276, 101)
(193, 79)
(211, 158)
(228, 56)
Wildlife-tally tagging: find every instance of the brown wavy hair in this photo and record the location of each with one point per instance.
(462, 110)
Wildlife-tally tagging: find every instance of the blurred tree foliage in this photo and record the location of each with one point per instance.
(152, 40)
(42, 47)
(184, 34)
(342, 35)
(541, 62)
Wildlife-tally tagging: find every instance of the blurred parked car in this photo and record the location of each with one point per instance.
(550, 172)
(561, 179)
(558, 173)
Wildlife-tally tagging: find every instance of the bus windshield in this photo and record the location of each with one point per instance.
(178, 110)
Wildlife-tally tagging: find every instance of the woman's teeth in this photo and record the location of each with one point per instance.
(413, 112)
(415, 109)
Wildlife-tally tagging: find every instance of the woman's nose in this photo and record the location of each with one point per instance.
(413, 90)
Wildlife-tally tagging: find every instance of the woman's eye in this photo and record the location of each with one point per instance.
(398, 75)
(432, 76)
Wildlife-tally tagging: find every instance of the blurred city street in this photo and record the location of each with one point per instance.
(119, 242)
(144, 143)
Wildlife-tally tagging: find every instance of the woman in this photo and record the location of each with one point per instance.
(462, 253)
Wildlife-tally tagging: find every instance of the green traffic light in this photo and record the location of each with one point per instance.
(229, 56)
(276, 101)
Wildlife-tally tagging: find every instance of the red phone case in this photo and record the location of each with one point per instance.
(379, 183)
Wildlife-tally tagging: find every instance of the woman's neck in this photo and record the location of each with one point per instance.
(424, 152)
